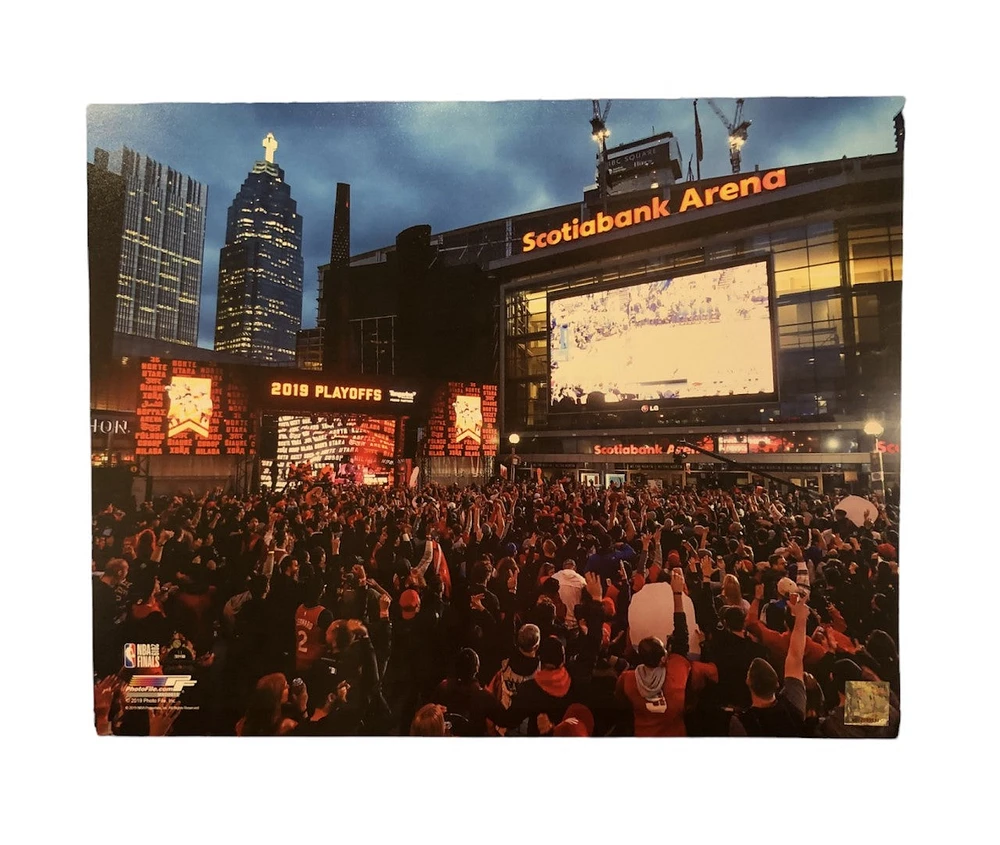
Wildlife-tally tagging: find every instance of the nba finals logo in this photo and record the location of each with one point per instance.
(190, 405)
(141, 656)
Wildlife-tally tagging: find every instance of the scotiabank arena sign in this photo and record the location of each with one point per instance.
(658, 208)
(620, 449)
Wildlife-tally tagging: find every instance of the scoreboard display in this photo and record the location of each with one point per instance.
(463, 421)
(191, 408)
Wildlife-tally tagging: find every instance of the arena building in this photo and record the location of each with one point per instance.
(757, 316)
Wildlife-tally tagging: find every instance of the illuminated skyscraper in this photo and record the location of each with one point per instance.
(259, 307)
(163, 243)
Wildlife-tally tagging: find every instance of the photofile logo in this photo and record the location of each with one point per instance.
(165, 685)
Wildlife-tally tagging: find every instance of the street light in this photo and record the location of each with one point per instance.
(874, 429)
(513, 439)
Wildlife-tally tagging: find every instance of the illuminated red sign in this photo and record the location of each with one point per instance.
(191, 408)
(753, 444)
(463, 421)
(653, 449)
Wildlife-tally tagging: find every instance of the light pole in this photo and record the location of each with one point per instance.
(874, 429)
(513, 439)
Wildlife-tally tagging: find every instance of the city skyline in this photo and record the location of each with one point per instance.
(454, 164)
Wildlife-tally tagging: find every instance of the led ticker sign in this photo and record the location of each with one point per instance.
(191, 408)
(316, 393)
(754, 444)
(657, 208)
(463, 421)
(326, 391)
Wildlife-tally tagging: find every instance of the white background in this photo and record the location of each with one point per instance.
(63, 780)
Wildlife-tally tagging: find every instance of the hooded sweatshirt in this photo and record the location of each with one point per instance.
(571, 587)
(656, 697)
(649, 682)
(550, 692)
(663, 714)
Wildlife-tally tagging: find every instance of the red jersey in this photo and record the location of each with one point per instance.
(665, 716)
(310, 638)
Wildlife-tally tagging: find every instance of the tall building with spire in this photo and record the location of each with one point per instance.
(259, 308)
(162, 247)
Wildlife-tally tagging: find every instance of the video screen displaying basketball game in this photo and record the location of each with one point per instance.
(353, 448)
(688, 337)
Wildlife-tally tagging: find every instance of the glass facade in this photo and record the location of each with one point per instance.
(259, 307)
(837, 289)
(163, 244)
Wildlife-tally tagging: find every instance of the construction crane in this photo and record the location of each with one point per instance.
(600, 133)
(737, 128)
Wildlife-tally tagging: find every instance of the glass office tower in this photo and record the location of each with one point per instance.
(163, 244)
(259, 306)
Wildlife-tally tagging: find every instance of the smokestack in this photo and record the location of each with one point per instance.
(334, 307)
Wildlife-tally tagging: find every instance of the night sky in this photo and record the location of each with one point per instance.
(452, 164)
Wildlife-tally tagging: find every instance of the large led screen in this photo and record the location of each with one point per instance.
(357, 449)
(463, 421)
(689, 337)
(191, 408)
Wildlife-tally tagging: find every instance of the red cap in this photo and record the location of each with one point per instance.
(409, 603)
(674, 558)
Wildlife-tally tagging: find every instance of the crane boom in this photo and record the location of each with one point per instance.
(739, 113)
(722, 117)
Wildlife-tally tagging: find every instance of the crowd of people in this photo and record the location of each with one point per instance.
(496, 610)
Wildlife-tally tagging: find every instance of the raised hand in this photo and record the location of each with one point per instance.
(104, 693)
(594, 589)
(162, 718)
(798, 607)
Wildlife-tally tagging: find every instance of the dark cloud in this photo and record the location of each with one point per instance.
(453, 164)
